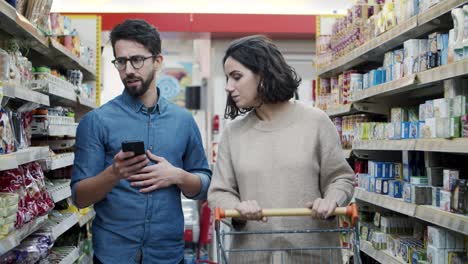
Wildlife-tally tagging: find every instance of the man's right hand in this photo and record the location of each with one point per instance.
(125, 164)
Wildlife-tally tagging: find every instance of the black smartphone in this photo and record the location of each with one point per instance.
(137, 147)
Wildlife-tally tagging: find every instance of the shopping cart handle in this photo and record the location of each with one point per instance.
(350, 211)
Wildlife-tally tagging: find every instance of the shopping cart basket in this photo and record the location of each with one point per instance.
(288, 254)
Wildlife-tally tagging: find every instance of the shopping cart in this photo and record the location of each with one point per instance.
(338, 253)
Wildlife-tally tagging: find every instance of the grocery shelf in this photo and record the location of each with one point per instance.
(64, 57)
(336, 110)
(385, 88)
(65, 223)
(414, 81)
(23, 156)
(25, 94)
(84, 219)
(18, 26)
(63, 255)
(379, 255)
(15, 238)
(54, 53)
(431, 214)
(385, 201)
(406, 144)
(60, 161)
(413, 27)
(457, 145)
(60, 191)
(87, 102)
(62, 130)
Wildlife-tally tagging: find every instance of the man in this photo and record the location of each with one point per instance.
(137, 198)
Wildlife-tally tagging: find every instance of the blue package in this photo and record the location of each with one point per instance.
(395, 189)
(413, 130)
(445, 48)
(405, 130)
(379, 168)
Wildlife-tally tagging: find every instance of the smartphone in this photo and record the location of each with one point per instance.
(137, 147)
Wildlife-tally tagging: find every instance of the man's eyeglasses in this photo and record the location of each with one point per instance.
(137, 62)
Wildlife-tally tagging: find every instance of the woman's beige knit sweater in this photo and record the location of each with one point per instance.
(286, 162)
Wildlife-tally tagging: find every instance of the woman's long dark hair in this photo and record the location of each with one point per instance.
(278, 80)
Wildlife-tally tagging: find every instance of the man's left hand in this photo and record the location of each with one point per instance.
(160, 175)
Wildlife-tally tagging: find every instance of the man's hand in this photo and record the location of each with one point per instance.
(250, 210)
(160, 175)
(125, 165)
(322, 208)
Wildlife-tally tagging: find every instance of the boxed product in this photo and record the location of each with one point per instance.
(448, 127)
(381, 186)
(428, 128)
(406, 165)
(407, 192)
(364, 181)
(398, 114)
(405, 130)
(414, 130)
(398, 171)
(445, 200)
(450, 177)
(464, 126)
(418, 255)
(418, 180)
(458, 106)
(460, 197)
(439, 237)
(422, 112)
(429, 113)
(395, 189)
(411, 57)
(397, 69)
(397, 130)
(441, 108)
(413, 114)
(423, 48)
(440, 255)
(436, 196)
(435, 176)
(445, 49)
(388, 170)
(379, 240)
(421, 194)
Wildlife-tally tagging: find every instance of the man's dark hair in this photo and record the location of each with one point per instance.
(137, 30)
(278, 80)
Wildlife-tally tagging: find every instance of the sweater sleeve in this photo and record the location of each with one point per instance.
(224, 191)
(336, 176)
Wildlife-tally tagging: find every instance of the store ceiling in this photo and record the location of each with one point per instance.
(304, 7)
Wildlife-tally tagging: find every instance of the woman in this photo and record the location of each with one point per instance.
(283, 153)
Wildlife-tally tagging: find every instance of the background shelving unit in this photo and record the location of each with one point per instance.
(379, 99)
(46, 51)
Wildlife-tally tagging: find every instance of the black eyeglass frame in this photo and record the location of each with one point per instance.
(115, 61)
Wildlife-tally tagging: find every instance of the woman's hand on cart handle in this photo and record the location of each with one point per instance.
(350, 211)
(322, 208)
(250, 210)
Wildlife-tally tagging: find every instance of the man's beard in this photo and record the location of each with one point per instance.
(139, 90)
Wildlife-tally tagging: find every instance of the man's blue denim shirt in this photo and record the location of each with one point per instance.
(130, 225)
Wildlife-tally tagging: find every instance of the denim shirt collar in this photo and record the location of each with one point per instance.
(137, 105)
